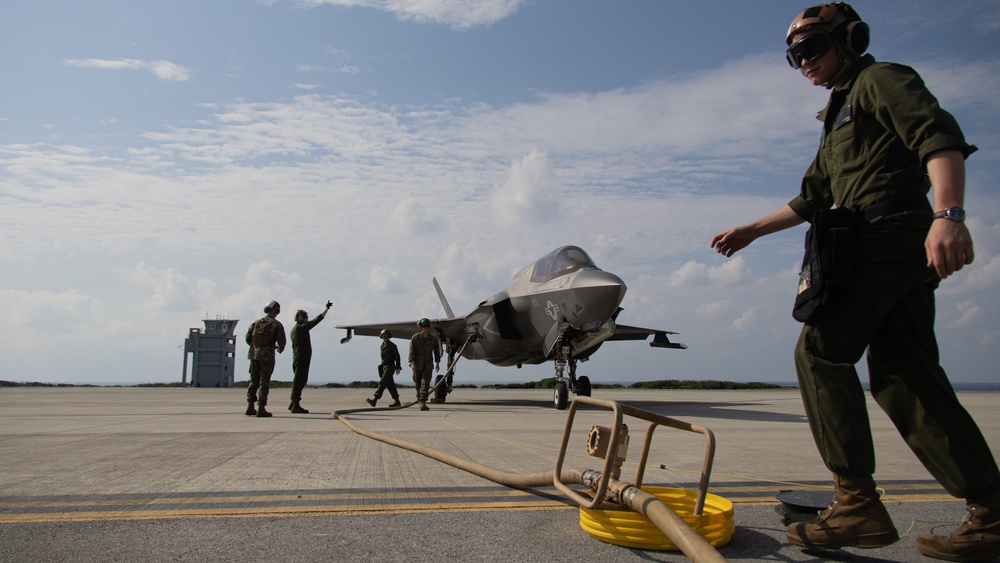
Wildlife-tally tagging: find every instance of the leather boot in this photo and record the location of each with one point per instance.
(856, 518)
(296, 408)
(250, 410)
(261, 413)
(395, 403)
(424, 407)
(371, 401)
(977, 538)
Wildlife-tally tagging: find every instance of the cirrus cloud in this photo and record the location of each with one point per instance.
(164, 70)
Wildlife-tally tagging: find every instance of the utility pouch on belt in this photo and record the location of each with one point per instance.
(826, 265)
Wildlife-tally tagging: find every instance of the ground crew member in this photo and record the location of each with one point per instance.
(425, 351)
(389, 368)
(885, 142)
(302, 354)
(264, 336)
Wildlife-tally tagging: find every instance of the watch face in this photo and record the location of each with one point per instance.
(956, 214)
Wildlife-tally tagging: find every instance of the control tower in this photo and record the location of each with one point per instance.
(214, 354)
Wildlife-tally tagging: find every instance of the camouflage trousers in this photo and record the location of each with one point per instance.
(422, 380)
(260, 380)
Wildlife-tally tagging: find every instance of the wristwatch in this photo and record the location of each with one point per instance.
(955, 214)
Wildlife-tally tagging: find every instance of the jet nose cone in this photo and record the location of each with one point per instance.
(601, 292)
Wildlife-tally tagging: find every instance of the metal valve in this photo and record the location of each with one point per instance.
(599, 443)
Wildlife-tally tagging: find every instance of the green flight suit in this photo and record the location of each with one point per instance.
(878, 130)
(302, 355)
(388, 368)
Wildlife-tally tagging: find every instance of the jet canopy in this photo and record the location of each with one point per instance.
(561, 261)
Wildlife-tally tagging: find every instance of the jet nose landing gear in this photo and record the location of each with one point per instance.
(564, 384)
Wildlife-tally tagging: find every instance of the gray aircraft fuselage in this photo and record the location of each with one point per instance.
(517, 325)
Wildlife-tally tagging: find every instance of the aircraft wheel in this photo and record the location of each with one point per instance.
(442, 390)
(583, 386)
(560, 396)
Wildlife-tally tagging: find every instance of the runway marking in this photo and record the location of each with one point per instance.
(332, 502)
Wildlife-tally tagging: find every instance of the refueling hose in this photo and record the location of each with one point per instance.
(659, 514)
(673, 526)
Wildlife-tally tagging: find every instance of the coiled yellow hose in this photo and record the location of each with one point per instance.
(631, 529)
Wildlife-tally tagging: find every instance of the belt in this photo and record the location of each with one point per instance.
(901, 204)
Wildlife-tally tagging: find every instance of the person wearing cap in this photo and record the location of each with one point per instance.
(264, 336)
(885, 143)
(302, 354)
(425, 353)
(388, 369)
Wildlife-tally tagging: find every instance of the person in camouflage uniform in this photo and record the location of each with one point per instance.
(264, 336)
(302, 355)
(425, 352)
(389, 368)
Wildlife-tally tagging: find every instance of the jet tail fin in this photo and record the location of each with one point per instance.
(444, 302)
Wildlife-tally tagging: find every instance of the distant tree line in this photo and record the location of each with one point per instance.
(547, 383)
(550, 383)
(705, 384)
(37, 384)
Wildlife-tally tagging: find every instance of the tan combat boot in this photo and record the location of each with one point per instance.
(856, 518)
(977, 538)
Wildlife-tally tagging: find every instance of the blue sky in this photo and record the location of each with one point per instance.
(162, 163)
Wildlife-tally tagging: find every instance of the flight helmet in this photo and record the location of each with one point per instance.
(385, 332)
(272, 306)
(839, 20)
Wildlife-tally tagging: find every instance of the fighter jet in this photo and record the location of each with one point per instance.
(560, 308)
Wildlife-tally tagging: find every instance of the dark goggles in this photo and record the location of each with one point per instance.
(809, 48)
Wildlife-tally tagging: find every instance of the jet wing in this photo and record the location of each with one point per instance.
(660, 340)
(405, 329)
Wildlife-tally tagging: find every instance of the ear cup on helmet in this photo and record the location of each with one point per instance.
(857, 37)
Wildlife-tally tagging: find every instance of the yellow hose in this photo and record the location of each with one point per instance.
(640, 529)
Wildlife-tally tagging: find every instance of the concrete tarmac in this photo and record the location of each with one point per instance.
(134, 474)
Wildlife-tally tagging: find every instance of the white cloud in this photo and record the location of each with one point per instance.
(171, 289)
(164, 70)
(57, 314)
(983, 276)
(714, 309)
(747, 320)
(969, 311)
(413, 218)
(952, 86)
(383, 279)
(989, 341)
(523, 197)
(696, 274)
(460, 14)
